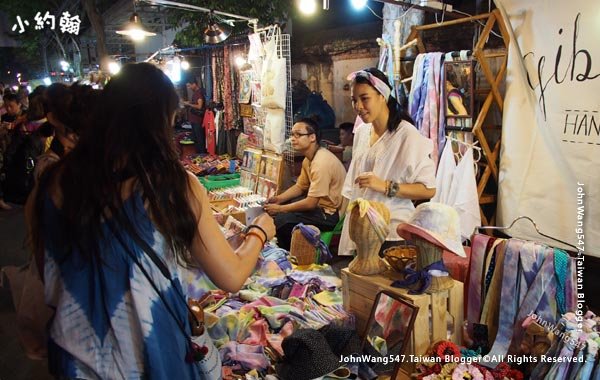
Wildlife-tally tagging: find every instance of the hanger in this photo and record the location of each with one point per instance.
(472, 146)
(534, 226)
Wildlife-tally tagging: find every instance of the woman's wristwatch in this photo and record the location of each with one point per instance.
(391, 189)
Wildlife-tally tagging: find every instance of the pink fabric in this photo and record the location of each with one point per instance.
(209, 126)
(457, 266)
(431, 111)
(262, 301)
(258, 333)
(275, 340)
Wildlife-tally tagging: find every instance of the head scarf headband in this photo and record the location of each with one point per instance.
(379, 85)
(364, 207)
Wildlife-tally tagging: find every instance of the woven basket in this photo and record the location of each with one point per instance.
(401, 256)
(304, 252)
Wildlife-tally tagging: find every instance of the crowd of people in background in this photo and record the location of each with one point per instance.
(36, 130)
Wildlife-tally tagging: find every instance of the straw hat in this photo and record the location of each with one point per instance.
(437, 223)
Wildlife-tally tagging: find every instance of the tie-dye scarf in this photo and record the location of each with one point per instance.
(364, 208)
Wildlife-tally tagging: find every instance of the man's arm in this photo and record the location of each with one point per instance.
(198, 105)
(306, 204)
(293, 192)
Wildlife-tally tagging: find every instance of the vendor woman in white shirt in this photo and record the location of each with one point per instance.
(391, 160)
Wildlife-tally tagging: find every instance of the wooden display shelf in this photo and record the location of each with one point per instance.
(491, 94)
(436, 311)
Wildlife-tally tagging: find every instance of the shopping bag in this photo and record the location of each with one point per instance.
(274, 132)
(274, 74)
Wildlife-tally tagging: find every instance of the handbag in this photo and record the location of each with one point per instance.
(274, 74)
(202, 350)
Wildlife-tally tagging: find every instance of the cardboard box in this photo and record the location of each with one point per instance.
(221, 207)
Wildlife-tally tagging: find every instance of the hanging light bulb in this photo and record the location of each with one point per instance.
(134, 29)
(185, 65)
(358, 4)
(240, 61)
(307, 7)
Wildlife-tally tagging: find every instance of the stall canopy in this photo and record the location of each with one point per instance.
(549, 165)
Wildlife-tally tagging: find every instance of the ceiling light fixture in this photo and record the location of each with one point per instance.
(134, 28)
(215, 33)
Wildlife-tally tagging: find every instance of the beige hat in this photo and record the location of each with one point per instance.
(437, 223)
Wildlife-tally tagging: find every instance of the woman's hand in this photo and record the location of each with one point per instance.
(369, 180)
(266, 223)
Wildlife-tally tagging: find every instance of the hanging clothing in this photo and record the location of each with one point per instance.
(209, 127)
(221, 133)
(456, 187)
(424, 99)
(208, 78)
(227, 90)
(401, 156)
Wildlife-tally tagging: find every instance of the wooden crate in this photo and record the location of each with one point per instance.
(435, 313)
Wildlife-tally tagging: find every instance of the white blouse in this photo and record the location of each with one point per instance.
(401, 156)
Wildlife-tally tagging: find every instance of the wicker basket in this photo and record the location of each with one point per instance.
(304, 252)
(399, 257)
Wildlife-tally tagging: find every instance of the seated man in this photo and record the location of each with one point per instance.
(320, 181)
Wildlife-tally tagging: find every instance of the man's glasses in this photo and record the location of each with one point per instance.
(298, 134)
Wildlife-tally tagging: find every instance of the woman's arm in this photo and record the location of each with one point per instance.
(227, 268)
(412, 191)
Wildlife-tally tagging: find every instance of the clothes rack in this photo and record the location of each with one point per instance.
(505, 228)
(492, 95)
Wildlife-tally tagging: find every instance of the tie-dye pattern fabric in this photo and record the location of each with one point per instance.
(110, 323)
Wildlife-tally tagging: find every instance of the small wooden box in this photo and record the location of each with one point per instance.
(437, 312)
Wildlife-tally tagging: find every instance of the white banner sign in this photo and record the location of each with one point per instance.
(550, 159)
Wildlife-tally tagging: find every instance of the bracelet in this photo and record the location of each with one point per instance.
(261, 230)
(254, 233)
(392, 189)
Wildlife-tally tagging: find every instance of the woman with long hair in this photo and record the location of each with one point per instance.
(115, 221)
(390, 158)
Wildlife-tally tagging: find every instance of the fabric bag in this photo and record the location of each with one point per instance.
(32, 314)
(274, 132)
(274, 74)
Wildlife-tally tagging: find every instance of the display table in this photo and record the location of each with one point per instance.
(440, 315)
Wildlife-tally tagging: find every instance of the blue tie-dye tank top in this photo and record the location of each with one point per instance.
(110, 322)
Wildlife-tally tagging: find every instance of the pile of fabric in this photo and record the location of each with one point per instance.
(249, 327)
(205, 165)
